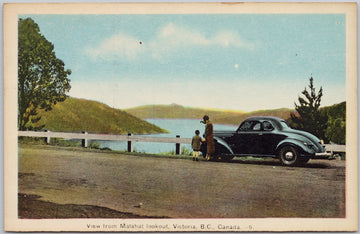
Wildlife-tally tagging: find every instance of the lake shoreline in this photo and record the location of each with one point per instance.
(185, 128)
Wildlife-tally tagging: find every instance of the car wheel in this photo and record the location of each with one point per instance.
(289, 156)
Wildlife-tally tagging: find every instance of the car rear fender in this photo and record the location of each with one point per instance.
(303, 149)
(222, 146)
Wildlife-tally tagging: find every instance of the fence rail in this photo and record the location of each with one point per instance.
(130, 138)
(335, 148)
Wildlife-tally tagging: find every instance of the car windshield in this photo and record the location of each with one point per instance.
(284, 124)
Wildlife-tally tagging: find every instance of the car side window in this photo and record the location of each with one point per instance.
(256, 127)
(250, 126)
(267, 126)
(246, 126)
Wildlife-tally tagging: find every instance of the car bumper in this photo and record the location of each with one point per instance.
(325, 155)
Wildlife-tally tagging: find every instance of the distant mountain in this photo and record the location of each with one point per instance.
(283, 113)
(74, 115)
(175, 111)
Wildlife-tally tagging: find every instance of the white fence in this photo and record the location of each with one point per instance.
(335, 148)
(130, 138)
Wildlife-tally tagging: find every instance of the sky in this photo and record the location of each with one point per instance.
(243, 62)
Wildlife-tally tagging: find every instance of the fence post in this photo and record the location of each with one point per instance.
(84, 142)
(178, 146)
(130, 143)
(48, 138)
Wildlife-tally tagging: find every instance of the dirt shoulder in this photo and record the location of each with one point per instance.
(60, 182)
(30, 207)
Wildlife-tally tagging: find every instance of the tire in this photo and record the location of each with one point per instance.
(289, 156)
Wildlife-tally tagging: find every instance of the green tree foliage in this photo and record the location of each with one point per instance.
(336, 130)
(42, 78)
(309, 118)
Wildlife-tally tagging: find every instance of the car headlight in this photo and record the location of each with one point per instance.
(310, 145)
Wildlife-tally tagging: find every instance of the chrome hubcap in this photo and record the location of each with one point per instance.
(289, 155)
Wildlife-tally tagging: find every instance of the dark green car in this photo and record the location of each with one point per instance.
(265, 136)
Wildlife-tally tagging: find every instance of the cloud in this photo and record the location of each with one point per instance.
(170, 39)
(118, 46)
(176, 35)
(231, 39)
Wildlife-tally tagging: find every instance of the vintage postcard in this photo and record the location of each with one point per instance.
(180, 117)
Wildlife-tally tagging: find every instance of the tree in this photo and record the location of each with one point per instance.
(308, 117)
(42, 78)
(336, 130)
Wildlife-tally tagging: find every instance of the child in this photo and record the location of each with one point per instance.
(195, 144)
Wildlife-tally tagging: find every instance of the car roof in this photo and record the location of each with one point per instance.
(264, 118)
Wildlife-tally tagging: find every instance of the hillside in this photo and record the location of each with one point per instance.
(175, 111)
(84, 115)
(335, 111)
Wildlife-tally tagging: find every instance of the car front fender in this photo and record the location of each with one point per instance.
(303, 149)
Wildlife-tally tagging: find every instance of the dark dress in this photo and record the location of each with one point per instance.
(209, 136)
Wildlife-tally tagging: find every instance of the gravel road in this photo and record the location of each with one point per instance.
(177, 187)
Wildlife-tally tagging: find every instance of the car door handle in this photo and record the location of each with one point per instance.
(260, 134)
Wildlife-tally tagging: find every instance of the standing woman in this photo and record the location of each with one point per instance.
(209, 137)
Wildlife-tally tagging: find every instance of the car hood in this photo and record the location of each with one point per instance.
(306, 136)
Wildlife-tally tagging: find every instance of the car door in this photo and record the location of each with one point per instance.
(246, 139)
(270, 138)
(255, 140)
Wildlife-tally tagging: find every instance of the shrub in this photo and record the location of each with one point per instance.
(94, 145)
(185, 151)
(63, 142)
